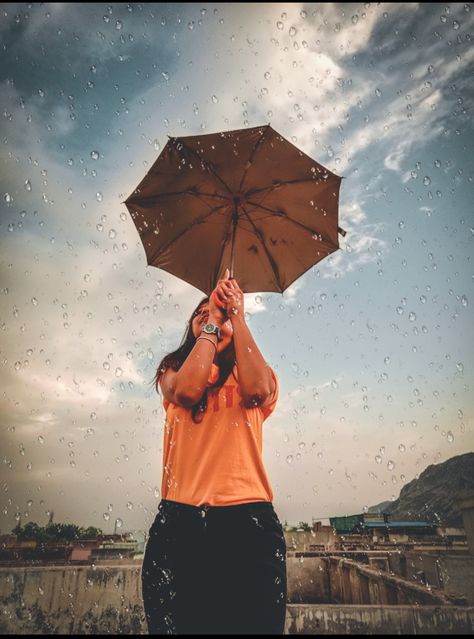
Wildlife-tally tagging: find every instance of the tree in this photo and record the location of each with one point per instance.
(55, 532)
(304, 526)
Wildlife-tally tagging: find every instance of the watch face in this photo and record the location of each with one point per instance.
(210, 328)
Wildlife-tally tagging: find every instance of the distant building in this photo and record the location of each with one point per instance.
(104, 548)
(379, 527)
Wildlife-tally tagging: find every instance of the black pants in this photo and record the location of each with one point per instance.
(215, 570)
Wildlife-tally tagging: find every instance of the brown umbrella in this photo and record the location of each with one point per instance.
(248, 199)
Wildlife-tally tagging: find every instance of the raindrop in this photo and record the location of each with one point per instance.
(460, 367)
(27, 185)
(118, 372)
(106, 516)
(412, 316)
(390, 465)
(289, 459)
(378, 459)
(280, 25)
(378, 92)
(40, 439)
(427, 180)
(95, 155)
(112, 234)
(401, 448)
(214, 99)
(99, 197)
(118, 25)
(292, 31)
(34, 301)
(129, 505)
(450, 437)
(119, 523)
(311, 310)
(258, 299)
(464, 300)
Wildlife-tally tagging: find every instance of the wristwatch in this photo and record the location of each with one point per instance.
(211, 329)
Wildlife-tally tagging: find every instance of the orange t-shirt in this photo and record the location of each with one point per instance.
(218, 461)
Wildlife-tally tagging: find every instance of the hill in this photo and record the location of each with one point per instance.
(432, 497)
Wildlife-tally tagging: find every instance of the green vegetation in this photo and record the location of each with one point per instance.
(55, 532)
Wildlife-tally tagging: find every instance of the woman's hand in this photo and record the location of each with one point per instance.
(231, 295)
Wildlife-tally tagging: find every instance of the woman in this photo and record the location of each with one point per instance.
(215, 560)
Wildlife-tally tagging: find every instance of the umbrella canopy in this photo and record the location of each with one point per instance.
(246, 199)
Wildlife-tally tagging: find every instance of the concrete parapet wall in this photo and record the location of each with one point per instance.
(354, 583)
(378, 620)
(307, 580)
(107, 600)
(71, 600)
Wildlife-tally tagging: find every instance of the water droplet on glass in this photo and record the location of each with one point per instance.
(280, 25)
(118, 372)
(95, 155)
(27, 185)
(412, 316)
(450, 437)
(99, 197)
(401, 448)
(289, 459)
(214, 99)
(378, 459)
(292, 32)
(390, 465)
(427, 180)
(112, 234)
(464, 300)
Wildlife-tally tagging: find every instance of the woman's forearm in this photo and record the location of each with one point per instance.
(192, 377)
(255, 379)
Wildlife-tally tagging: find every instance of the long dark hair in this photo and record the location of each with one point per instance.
(177, 358)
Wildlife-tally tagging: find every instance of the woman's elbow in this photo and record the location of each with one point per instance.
(257, 398)
(187, 399)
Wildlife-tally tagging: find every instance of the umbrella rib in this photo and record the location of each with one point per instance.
(270, 258)
(152, 198)
(252, 155)
(278, 185)
(180, 235)
(289, 219)
(207, 164)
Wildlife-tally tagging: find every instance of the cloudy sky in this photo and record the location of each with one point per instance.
(373, 347)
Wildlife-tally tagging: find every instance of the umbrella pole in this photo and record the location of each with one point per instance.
(235, 218)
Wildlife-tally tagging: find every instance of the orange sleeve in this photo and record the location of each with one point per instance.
(268, 409)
